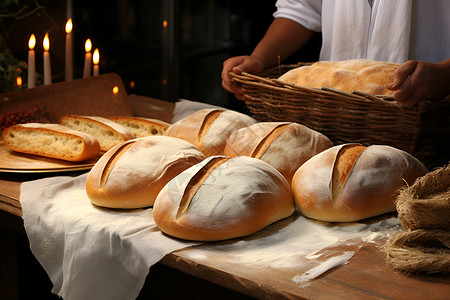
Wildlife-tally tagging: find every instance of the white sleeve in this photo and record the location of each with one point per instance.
(304, 12)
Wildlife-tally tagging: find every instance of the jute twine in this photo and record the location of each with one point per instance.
(424, 212)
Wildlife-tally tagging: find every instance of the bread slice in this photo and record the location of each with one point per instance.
(51, 140)
(107, 132)
(142, 127)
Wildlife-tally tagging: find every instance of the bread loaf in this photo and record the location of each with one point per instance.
(283, 145)
(209, 129)
(347, 75)
(222, 198)
(142, 126)
(107, 132)
(51, 140)
(131, 174)
(351, 182)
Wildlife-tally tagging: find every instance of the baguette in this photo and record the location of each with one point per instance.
(132, 173)
(283, 145)
(107, 132)
(209, 129)
(351, 182)
(142, 127)
(222, 198)
(51, 140)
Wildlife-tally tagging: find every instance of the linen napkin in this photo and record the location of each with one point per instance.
(90, 252)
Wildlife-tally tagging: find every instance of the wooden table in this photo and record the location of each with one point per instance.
(366, 276)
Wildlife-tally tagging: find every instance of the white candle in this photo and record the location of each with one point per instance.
(96, 60)
(69, 51)
(87, 59)
(31, 62)
(47, 65)
(69, 9)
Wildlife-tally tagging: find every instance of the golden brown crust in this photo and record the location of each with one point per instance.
(209, 129)
(348, 75)
(344, 162)
(374, 178)
(283, 145)
(51, 140)
(132, 173)
(230, 197)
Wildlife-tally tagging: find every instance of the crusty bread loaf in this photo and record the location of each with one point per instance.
(142, 126)
(283, 145)
(351, 182)
(51, 140)
(347, 75)
(131, 174)
(209, 129)
(222, 198)
(107, 132)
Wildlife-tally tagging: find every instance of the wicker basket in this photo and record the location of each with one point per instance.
(422, 130)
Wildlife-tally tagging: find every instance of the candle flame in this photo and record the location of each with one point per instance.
(165, 23)
(115, 89)
(88, 45)
(32, 41)
(96, 57)
(69, 26)
(19, 81)
(46, 42)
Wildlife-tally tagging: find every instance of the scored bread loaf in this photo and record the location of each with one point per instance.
(107, 132)
(209, 129)
(347, 75)
(131, 174)
(51, 140)
(222, 198)
(142, 126)
(283, 145)
(351, 182)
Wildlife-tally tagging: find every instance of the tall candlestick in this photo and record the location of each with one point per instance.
(47, 65)
(31, 62)
(69, 51)
(96, 60)
(87, 59)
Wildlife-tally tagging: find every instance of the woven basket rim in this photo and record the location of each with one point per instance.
(270, 83)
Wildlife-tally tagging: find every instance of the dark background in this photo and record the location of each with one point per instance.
(184, 61)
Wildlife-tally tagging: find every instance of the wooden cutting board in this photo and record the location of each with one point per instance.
(15, 162)
(89, 96)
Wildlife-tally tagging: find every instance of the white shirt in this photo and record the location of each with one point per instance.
(385, 30)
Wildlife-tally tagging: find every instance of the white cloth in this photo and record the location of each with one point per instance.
(184, 108)
(89, 252)
(387, 30)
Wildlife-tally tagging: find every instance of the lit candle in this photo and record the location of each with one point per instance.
(31, 62)
(69, 50)
(47, 66)
(19, 81)
(95, 60)
(87, 59)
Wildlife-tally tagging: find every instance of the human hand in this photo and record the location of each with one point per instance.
(237, 65)
(419, 80)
